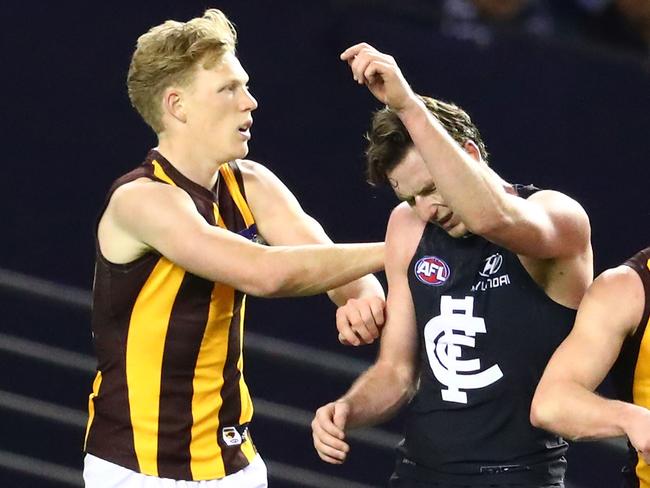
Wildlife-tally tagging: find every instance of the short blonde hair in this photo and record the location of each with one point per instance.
(168, 55)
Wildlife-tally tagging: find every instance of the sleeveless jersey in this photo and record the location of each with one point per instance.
(486, 331)
(169, 398)
(631, 372)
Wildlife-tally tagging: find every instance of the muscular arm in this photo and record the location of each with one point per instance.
(549, 226)
(282, 221)
(146, 215)
(389, 383)
(565, 401)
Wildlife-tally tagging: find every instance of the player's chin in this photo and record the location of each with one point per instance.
(242, 151)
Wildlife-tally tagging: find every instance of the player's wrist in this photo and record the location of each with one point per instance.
(629, 415)
(412, 112)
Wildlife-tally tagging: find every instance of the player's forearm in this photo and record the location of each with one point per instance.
(309, 270)
(456, 173)
(367, 286)
(378, 394)
(577, 413)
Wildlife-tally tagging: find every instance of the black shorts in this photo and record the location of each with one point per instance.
(407, 474)
(400, 482)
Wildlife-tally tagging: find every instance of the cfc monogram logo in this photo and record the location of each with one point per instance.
(444, 337)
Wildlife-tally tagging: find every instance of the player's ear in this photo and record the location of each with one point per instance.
(173, 104)
(472, 149)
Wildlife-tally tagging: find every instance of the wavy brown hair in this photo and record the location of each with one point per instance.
(389, 141)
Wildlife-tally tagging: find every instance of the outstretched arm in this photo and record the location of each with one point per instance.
(282, 221)
(145, 215)
(565, 401)
(389, 383)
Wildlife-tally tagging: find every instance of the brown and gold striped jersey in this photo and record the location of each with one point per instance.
(169, 398)
(631, 373)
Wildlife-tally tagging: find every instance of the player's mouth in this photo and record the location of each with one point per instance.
(245, 129)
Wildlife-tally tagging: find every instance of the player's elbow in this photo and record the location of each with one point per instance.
(491, 222)
(273, 283)
(544, 411)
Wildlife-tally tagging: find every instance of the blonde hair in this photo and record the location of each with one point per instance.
(168, 55)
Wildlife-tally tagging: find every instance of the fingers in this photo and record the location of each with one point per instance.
(343, 340)
(359, 321)
(347, 335)
(377, 307)
(352, 51)
(363, 56)
(328, 436)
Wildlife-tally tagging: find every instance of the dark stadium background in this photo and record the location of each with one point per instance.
(571, 116)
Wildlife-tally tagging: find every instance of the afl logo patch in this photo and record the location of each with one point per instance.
(432, 271)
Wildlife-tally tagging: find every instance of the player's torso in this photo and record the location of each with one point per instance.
(487, 331)
(169, 398)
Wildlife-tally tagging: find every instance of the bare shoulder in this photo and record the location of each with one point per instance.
(403, 232)
(616, 298)
(262, 185)
(248, 167)
(565, 211)
(254, 172)
(620, 286)
(138, 196)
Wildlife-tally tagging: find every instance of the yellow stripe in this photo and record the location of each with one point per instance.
(648, 264)
(235, 193)
(158, 172)
(206, 461)
(641, 395)
(217, 216)
(91, 404)
(248, 449)
(246, 402)
(144, 356)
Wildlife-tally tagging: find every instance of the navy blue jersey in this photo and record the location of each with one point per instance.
(486, 332)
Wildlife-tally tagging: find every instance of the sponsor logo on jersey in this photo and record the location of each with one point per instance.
(492, 265)
(232, 437)
(447, 338)
(490, 277)
(432, 271)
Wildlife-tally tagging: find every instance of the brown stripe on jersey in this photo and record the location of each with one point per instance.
(233, 457)
(227, 207)
(115, 290)
(234, 190)
(184, 335)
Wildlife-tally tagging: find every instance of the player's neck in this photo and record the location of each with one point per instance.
(190, 160)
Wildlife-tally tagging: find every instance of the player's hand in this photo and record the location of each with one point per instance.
(360, 320)
(328, 431)
(380, 73)
(638, 431)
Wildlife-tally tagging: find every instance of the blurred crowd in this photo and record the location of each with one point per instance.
(615, 24)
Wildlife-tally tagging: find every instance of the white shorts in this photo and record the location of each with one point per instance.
(99, 473)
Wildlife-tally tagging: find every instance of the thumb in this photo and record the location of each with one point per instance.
(341, 412)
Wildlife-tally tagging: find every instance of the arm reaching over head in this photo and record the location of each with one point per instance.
(546, 226)
(379, 393)
(565, 401)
